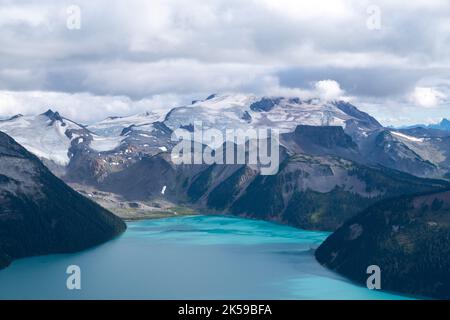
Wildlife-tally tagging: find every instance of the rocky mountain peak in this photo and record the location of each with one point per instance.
(53, 116)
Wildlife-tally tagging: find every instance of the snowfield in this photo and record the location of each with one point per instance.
(115, 125)
(241, 112)
(42, 138)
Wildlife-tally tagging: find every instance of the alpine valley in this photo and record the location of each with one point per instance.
(382, 190)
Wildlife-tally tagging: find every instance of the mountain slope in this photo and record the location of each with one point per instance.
(311, 192)
(418, 156)
(322, 192)
(407, 237)
(39, 214)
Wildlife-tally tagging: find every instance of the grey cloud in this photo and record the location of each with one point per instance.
(140, 48)
(372, 82)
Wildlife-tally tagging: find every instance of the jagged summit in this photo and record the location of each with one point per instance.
(54, 116)
(443, 125)
(48, 113)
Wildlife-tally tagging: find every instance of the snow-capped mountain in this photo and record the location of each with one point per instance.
(241, 111)
(111, 145)
(51, 136)
(55, 138)
(142, 131)
(48, 135)
(116, 132)
(68, 147)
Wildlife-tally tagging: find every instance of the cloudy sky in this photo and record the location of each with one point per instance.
(124, 57)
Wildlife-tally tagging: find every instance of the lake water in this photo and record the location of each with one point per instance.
(198, 257)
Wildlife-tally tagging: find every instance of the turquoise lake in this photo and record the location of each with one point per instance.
(196, 257)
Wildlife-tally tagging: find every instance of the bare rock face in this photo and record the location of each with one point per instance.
(40, 214)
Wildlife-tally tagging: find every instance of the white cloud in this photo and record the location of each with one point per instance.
(323, 89)
(138, 50)
(328, 89)
(183, 76)
(311, 10)
(427, 97)
(83, 107)
(31, 15)
(88, 108)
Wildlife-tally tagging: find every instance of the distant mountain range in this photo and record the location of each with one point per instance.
(443, 125)
(92, 152)
(335, 162)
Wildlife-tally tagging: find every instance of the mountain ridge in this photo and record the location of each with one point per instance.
(443, 125)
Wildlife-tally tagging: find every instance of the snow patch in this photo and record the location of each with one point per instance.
(103, 144)
(404, 136)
